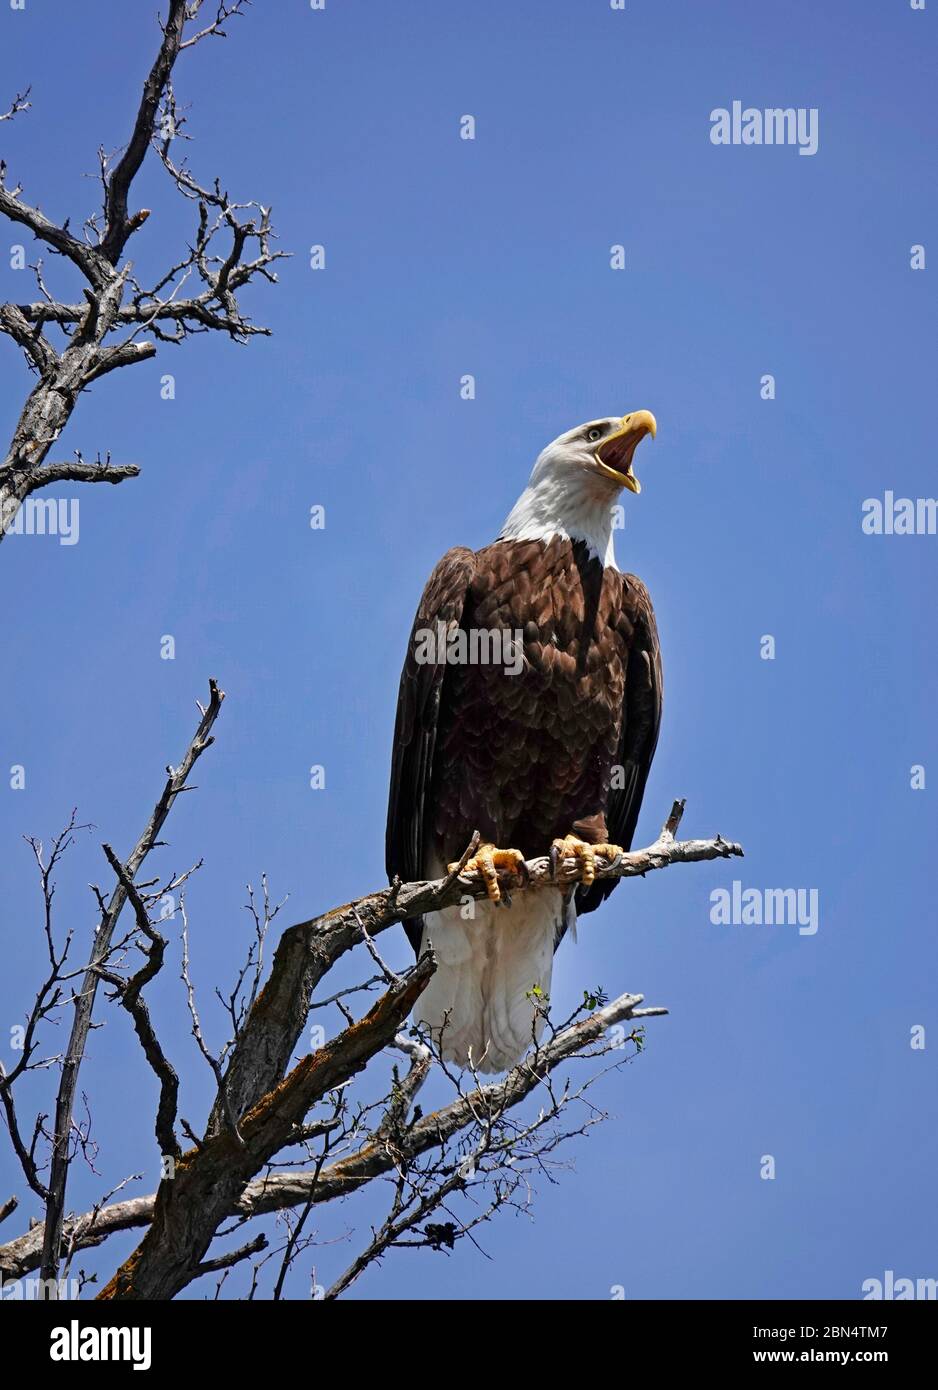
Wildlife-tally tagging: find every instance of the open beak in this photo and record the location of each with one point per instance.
(614, 455)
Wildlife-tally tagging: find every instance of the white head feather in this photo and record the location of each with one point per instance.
(572, 492)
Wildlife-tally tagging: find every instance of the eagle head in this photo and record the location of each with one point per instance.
(599, 449)
(573, 487)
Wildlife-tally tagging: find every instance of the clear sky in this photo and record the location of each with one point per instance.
(492, 257)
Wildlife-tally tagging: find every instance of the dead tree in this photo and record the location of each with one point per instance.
(483, 1146)
(68, 346)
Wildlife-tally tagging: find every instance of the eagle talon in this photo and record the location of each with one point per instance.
(489, 861)
(570, 847)
(611, 853)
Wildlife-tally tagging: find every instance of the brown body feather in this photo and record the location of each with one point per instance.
(562, 747)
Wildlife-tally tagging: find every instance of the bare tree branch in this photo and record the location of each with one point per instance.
(20, 103)
(84, 1000)
(279, 1191)
(60, 239)
(45, 1006)
(81, 472)
(306, 952)
(234, 1257)
(130, 993)
(119, 225)
(190, 1207)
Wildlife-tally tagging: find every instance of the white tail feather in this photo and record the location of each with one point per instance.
(478, 1005)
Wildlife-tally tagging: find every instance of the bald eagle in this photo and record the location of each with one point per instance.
(547, 747)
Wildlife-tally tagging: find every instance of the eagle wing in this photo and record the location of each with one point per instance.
(418, 706)
(641, 719)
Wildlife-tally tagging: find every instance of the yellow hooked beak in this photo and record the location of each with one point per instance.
(614, 455)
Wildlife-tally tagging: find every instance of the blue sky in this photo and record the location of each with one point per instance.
(491, 257)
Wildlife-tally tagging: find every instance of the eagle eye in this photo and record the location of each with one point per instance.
(595, 433)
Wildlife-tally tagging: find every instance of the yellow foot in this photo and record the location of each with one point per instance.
(489, 861)
(572, 848)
